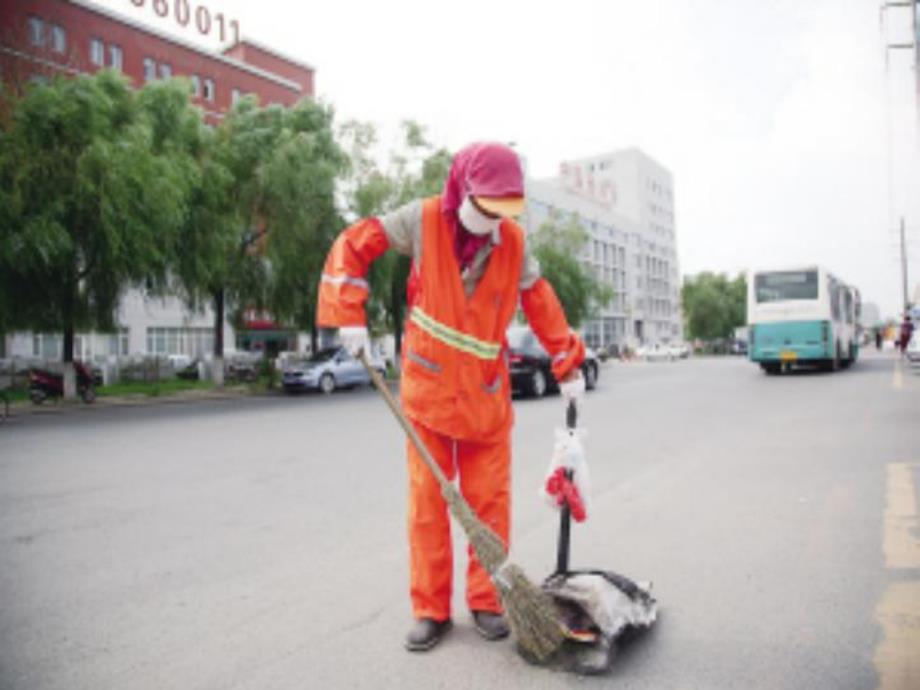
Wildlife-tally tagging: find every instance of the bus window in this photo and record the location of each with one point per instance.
(833, 292)
(786, 285)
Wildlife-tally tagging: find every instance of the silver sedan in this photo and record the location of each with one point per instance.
(325, 371)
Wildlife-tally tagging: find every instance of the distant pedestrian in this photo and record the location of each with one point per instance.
(907, 330)
(878, 338)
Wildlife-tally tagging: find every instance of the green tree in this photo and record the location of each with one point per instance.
(92, 193)
(556, 245)
(300, 213)
(263, 214)
(714, 305)
(416, 169)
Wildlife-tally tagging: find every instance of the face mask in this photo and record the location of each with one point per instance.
(475, 220)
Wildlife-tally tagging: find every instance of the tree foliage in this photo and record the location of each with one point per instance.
(93, 192)
(263, 213)
(299, 210)
(556, 245)
(714, 304)
(416, 169)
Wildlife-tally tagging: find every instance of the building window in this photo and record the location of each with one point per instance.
(195, 342)
(196, 86)
(96, 52)
(116, 57)
(209, 89)
(37, 31)
(234, 96)
(165, 71)
(118, 343)
(58, 39)
(46, 346)
(150, 69)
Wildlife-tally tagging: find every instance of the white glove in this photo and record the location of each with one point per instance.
(573, 389)
(354, 339)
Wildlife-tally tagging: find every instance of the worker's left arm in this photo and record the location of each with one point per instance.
(547, 319)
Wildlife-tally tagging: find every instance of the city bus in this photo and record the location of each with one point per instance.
(801, 316)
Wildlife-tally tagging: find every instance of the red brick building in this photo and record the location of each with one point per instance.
(42, 38)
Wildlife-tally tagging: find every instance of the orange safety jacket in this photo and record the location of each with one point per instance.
(455, 378)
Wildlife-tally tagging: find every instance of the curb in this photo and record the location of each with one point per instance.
(27, 408)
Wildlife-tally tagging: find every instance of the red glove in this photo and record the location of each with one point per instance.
(564, 491)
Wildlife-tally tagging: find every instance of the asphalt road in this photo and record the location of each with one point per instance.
(260, 543)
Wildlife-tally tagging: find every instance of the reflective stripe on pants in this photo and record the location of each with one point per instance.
(485, 482)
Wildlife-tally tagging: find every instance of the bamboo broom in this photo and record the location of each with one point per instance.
(530, 610)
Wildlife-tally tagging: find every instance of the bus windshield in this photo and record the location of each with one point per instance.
(786, 285)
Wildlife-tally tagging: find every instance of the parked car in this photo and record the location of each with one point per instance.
(913, 349)
(679, 350)
(325, 371)
(656, 352)
(531, 365)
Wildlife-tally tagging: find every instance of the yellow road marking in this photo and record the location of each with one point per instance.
(898, 613)
(902, 549)
(896, 658)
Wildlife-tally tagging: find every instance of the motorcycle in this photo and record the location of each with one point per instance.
(44, 384)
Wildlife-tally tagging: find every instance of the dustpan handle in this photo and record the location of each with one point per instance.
(565, 526)
(565, 513)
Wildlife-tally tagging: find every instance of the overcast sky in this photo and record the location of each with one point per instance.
(788, 139)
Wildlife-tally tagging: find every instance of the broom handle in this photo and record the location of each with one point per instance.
(381, 386)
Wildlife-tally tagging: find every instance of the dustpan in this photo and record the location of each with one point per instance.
(597, 607)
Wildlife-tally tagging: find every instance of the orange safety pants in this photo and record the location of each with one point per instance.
(485, 482)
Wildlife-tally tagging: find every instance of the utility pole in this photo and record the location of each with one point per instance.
(904, 268)
(913, 44)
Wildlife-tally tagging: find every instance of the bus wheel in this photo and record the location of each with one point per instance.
(771, 369)
(851, 357)
(835, 362)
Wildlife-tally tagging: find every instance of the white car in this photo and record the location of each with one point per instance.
(656, 352)
(679, 350)
(913, 349)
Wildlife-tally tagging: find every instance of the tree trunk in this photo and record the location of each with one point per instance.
(217, 367)
(314, 336)
(70, 375)
(396, 309)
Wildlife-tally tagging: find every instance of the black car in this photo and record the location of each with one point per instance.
(531, 366)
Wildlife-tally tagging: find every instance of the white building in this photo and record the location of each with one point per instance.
(148, 326)
(625, 200)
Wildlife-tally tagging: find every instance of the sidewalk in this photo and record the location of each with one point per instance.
(27, 407)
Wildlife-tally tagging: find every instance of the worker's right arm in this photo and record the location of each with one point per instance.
(343, 288)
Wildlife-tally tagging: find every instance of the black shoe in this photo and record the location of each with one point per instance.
(491, 626)
(426, 633)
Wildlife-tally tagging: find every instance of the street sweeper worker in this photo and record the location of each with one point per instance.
(470, 270)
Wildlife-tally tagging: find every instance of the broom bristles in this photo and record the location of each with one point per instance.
(531, 613)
